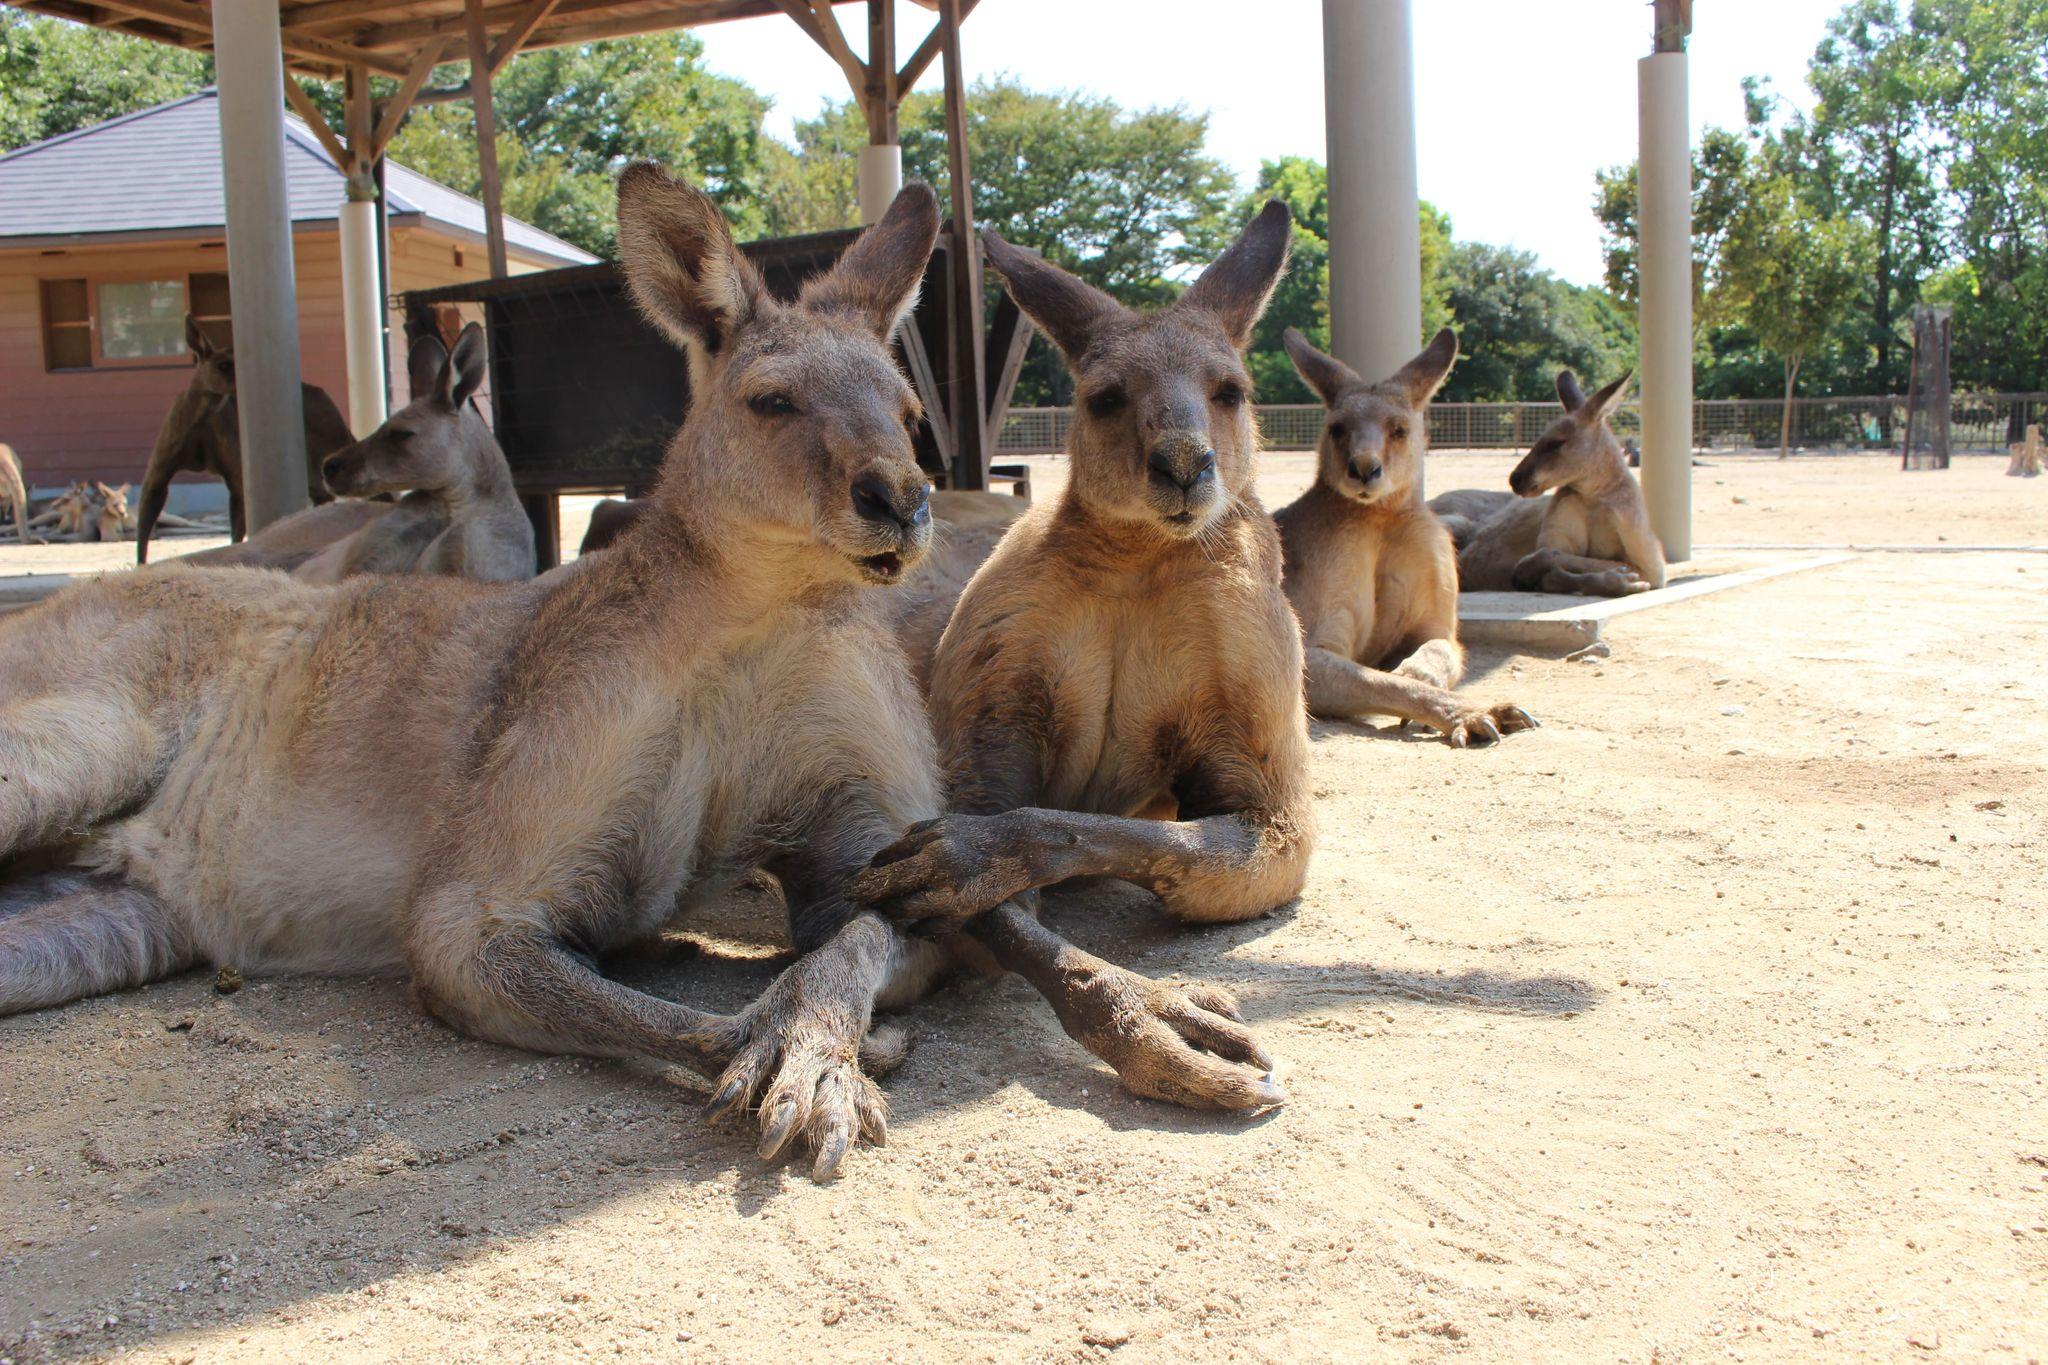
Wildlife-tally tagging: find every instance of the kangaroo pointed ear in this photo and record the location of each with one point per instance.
(1235, 288)
(1424, 375)
(685, 271)
(1568, 391)
(196, 339)
(878, 277)
(464, 373)
(1320, 370)
(1068, 309)
(1601, 404)
(424, 365)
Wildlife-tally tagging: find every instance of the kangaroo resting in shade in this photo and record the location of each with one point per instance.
(491, 785)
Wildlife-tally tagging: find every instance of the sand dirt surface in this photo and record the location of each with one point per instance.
(1707, 1021)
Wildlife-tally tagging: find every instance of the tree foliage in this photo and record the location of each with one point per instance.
(570, 117)
(57, 77)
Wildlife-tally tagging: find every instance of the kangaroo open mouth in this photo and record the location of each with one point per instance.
(883, 568)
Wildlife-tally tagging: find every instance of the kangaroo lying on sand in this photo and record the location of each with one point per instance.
(13, 492)
(492, 784)
(458, 516)
(1370, 572)
(1591, 535)
(202, 434)
(1127, 652)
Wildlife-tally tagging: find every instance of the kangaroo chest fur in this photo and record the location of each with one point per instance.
(1141, 684)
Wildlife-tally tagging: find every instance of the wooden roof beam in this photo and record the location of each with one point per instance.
(395, 107)
(927, 52)
(508, 42)
(302, 104)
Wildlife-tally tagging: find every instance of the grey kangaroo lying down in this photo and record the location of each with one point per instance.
(458, 514)
(1119, 690)
(490, 785)
(1575, 522)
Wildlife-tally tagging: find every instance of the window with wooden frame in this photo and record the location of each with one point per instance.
(110, 323)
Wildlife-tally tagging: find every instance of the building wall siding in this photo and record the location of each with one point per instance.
(102, 423)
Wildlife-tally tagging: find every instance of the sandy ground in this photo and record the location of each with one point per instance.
(1706, 1021)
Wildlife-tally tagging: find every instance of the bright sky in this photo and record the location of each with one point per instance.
(1518, 101)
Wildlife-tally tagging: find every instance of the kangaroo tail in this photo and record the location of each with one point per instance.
(66, 935)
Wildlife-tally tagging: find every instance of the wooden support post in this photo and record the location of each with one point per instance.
(967, 376)
(880, 173)
(486, 137)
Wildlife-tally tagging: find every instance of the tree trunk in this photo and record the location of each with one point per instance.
(1785, 423)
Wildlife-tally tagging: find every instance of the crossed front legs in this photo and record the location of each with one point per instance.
(1185, 1045)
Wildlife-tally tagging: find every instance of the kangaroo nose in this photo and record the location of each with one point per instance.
(1179, 470)
(1366, 471)
(874, 500)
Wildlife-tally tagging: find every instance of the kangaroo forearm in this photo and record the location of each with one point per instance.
(1016, 939)
(1220, 867)
(1339, 688)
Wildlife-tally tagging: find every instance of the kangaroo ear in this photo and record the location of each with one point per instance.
(1424, 375)
(1235, 288)
(1320, 370)
(1568, 391)
(1607, 400)
(1069, 310)
(464, 373)
(686, 274)
(423, 366)
(878, 277)
(196, 339)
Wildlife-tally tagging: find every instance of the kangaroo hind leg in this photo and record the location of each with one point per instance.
(67, 935)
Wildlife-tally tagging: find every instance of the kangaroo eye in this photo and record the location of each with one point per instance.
(1337, 432)
(1397, 432)
(400, 434)
(910, 420)
(1106, 402)
(773, 405)
(227, 369)
(1229, 395)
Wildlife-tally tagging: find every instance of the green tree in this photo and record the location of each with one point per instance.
(57, 77)
(1519, 324)
(1871, 155)
(1127, 199)
(1790, 276)
(570, 117)
(1718, 165)
(1302, 297)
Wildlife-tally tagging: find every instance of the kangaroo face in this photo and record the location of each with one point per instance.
(432, 442)
(1578, 450)
(213, 370)
(803, 398)
(1373, 439)
(1163, 433)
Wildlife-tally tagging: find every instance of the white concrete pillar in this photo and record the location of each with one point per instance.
(877, 179)
(362, 316)
(1375, 237)
(250, 64)
(1664, 292)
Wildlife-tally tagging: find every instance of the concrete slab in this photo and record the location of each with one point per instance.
(1554, 622)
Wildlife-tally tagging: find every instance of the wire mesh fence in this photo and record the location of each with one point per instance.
(1981, 423)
